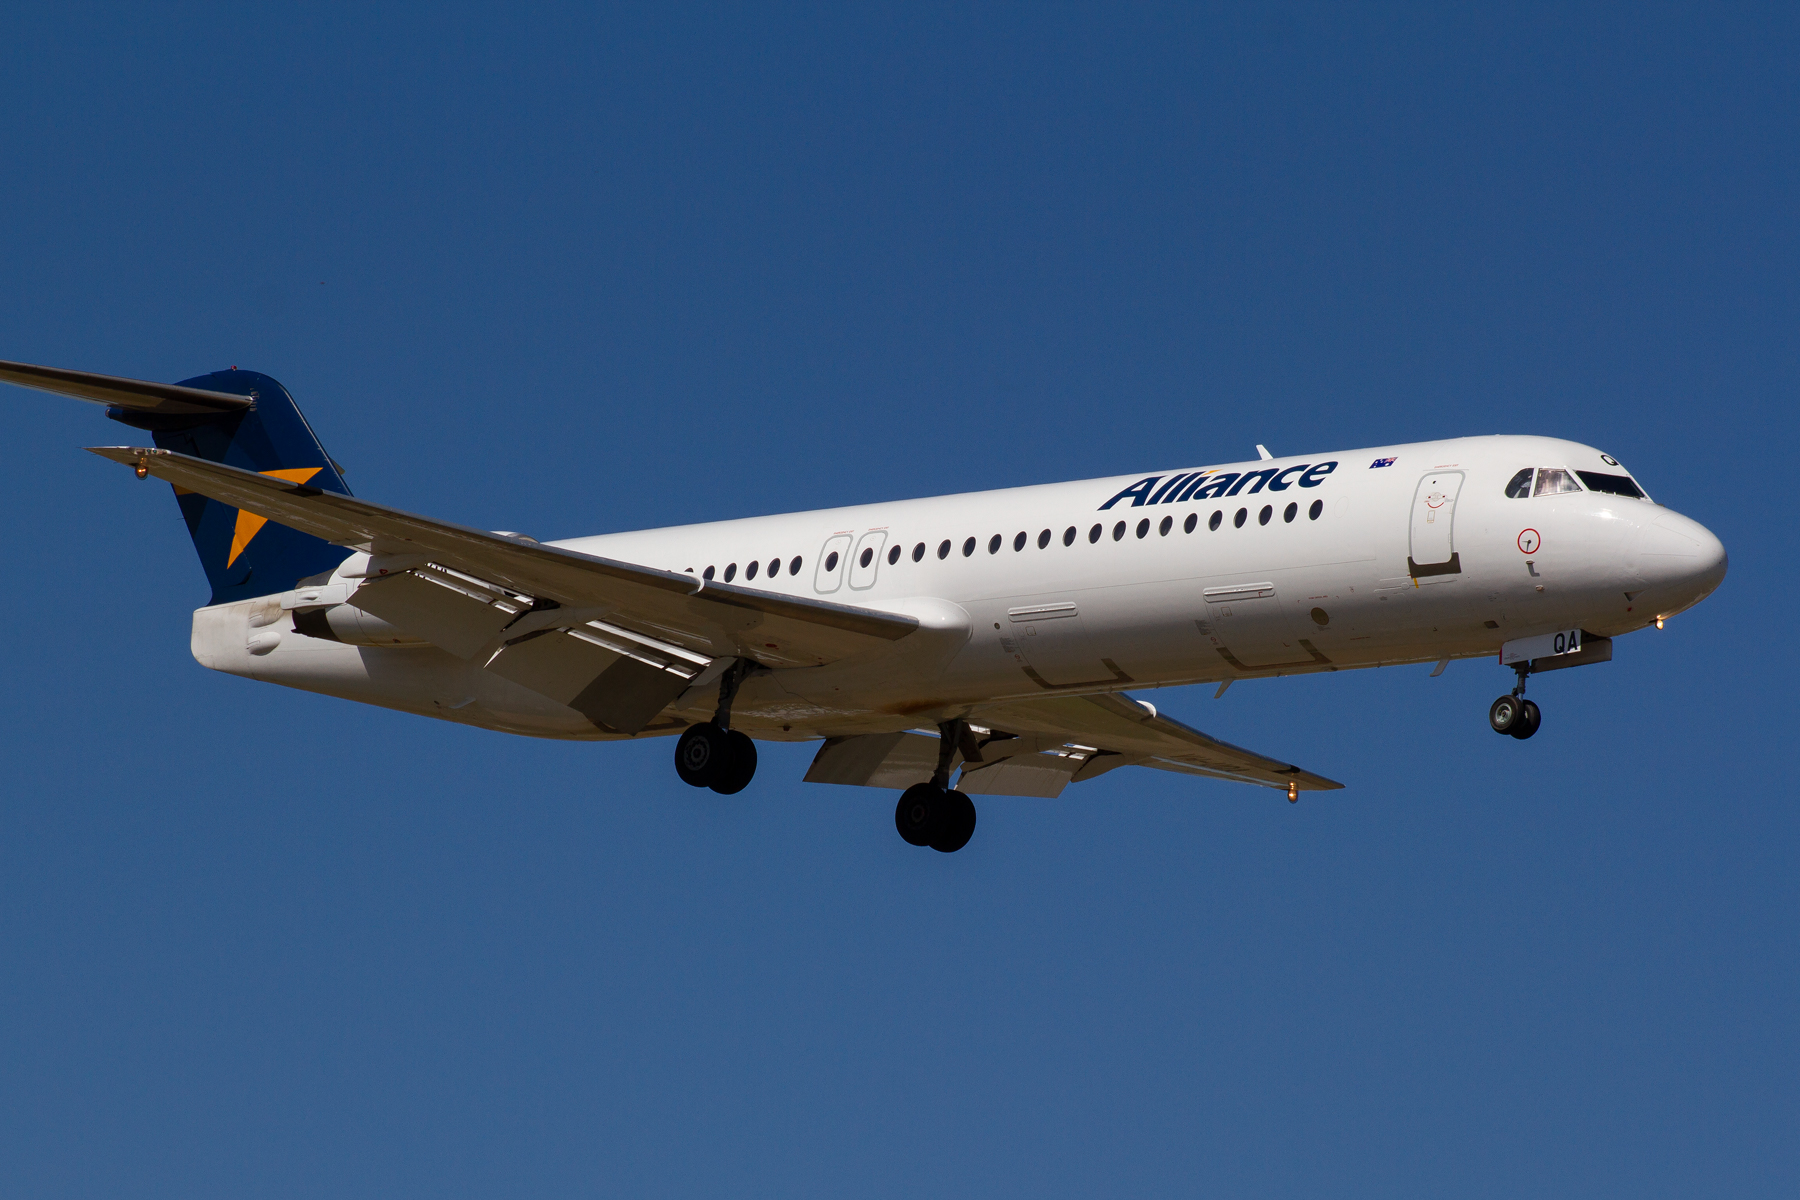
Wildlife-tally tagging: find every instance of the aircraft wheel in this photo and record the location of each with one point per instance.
(701, 754)
(739, 765)
(919, 814)
(1504, 713)
(958, 824)
(1529, 719)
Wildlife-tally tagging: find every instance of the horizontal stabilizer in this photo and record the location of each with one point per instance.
(138, 395)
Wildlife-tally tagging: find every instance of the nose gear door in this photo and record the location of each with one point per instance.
(1433, 545)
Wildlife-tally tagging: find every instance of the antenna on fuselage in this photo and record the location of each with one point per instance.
(1262, 452)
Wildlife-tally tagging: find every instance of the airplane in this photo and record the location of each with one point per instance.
(992, 636)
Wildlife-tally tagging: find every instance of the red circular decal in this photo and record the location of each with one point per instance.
(1529, 541)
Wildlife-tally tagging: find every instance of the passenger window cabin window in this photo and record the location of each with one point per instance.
(1318, 506)
(1162, 530)
(1290, 512)
(1043, 539)
(730, 572)
(794, 565)
(1093, 535)
(750, 570)
(1118, 531)
(868, 556)
(707, 574)
(1217, 518)
(1262, 518)
(1187, 526)
(1519, 486)
(894, 555)
(1553, 481)
(1143, 527)
(994, 544)
(1613, 485)
(968, 547)
(830, 563)
(1069, 536)
(919, 551)
(774, 567)
(1238, 521)
(944, 548)
(1018, 541)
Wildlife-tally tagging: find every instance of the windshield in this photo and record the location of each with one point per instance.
(1617, 485)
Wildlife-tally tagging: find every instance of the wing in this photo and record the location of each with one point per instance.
(1062, 739)
(1038, 747)
(461, 588)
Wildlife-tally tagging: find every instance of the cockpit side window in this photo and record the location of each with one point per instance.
(1520, 485)
(1617, 485)
(1552, 481)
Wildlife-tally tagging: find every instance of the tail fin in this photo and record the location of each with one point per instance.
(243, 555)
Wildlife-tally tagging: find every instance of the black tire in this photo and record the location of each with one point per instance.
(701, 753)
(739, 765)
(958, 824)
(1530, 717)
(919, 814)
(1503, 714)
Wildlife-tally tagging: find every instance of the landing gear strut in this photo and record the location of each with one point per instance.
(712, 754)
(1513, 713)
(931, 813)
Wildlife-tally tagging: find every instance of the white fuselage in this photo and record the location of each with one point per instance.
(1423, 559)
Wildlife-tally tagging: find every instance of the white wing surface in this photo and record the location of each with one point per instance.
(461, 588)
(1039, 747)
(1085, 736)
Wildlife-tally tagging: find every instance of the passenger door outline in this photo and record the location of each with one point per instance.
(870, 545)
(829, 576)
(1431, 544)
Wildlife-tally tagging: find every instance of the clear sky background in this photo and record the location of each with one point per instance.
(569, 272)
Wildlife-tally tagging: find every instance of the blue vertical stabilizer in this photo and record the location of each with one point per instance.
(243, 555)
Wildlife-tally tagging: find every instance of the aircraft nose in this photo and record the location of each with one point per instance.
(1681, 558)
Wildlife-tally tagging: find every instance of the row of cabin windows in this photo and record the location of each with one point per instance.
(1554, 481)
(1043, 539)
(751, 569)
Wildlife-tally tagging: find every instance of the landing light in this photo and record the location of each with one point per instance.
(1659, 622)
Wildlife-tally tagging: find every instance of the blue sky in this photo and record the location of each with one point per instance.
(566, 271)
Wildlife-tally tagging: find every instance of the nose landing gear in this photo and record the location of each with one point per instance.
(1513, 713)
(931, 813)
(712, 754)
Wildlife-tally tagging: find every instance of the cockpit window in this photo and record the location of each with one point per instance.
(1554, 480)
(1617, 485)
(1520, 485)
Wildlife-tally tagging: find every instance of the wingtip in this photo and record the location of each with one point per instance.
(124, 454)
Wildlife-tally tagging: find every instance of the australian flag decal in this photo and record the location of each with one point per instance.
(1381, 462)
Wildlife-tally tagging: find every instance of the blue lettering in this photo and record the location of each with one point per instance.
(1316, 475)
(1190, 487)
(1136, 491)
(1215, 487)
(1280, 483)
(1175, 481)
(1261, 478)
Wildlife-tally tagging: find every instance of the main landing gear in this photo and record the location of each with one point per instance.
(712, 754)
(1513, 713)
(931, 813)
